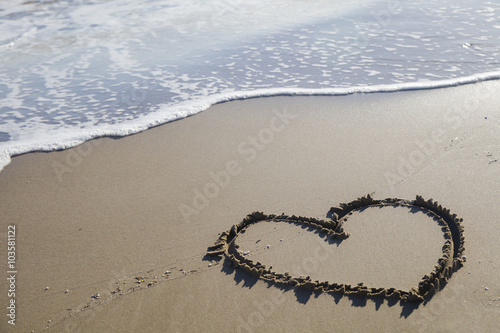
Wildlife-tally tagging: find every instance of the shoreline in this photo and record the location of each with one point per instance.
(110, 217)
(179, 112)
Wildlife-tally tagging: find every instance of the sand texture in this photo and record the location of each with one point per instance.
(449, 262)
(143, 233)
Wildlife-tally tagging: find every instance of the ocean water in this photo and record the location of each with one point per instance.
(73, 70)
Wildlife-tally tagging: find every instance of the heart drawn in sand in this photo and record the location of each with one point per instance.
(450, 261)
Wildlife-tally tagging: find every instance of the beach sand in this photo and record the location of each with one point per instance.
(101, 224)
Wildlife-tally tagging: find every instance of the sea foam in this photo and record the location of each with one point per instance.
(77, 70)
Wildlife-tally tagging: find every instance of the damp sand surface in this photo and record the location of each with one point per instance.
(123, 225)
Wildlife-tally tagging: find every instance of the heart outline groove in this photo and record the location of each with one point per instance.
(451, 260)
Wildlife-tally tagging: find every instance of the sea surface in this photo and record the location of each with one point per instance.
(73, 70)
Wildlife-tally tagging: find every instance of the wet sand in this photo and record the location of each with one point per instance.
(101, 224)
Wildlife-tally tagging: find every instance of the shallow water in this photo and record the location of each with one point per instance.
(74, 70)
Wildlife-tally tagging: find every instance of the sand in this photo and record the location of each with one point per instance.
(228, 248)
(101, 224)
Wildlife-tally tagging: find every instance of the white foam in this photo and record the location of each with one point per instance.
(76, 70)
(165, 114)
